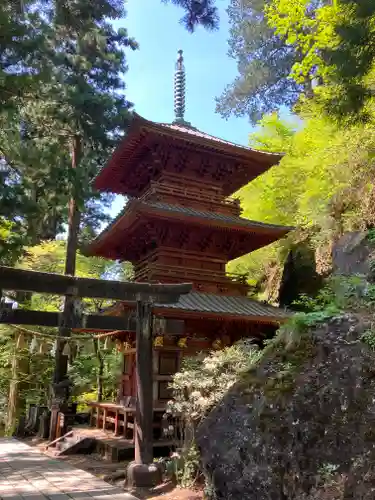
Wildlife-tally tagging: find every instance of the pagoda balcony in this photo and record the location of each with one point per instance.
(203, 280)
(192, 197)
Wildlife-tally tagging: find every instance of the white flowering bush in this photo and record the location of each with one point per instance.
(200, 385)
(204, 380)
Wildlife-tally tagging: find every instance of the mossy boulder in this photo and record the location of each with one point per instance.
(299, 275)
(354, 253)
(301, 424)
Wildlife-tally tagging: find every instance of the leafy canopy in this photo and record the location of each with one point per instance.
(77, 90)
(286, 50)
(264, 64)
(198, 13)
(324, 183)
(335, 40)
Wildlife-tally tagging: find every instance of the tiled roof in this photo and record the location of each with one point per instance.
(230, 219)
(192, 212)
(125, 164)
(226, 305)
(197, 133)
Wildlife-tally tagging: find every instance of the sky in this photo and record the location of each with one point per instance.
(149, 80)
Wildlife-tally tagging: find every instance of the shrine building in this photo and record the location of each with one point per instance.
(180, 225)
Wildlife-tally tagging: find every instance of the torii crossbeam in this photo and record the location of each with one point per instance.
(143, 295)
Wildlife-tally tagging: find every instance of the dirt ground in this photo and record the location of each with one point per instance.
(108, 471)
(168, 491)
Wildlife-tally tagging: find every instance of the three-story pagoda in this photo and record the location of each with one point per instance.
(179, 225)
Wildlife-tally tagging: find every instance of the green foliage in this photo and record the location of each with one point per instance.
(323, 184)
(339, 295)
(79, 68)
(49, 257)
(264, 63)
(198, 13)
(11, 242)
(368, 337)
(371, 235)
(287, 50)
(184, 469)
(84, 372)
(21, 39)
(307, 26)
(335, 42)
(352, 61)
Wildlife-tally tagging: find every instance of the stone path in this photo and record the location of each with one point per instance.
(27, 474)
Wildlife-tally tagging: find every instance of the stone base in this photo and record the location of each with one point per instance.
(144, 476)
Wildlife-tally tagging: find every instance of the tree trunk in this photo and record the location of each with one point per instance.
(74, 215)
(99, 378)
(61, 387)
(17, 389)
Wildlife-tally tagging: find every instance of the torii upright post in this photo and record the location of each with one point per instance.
(144, 404)
(143, 472)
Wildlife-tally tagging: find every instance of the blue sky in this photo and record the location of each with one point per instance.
(149, 80)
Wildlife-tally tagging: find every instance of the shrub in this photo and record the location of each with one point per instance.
(197, 388)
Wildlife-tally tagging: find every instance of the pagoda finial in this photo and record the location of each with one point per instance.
(179, 89)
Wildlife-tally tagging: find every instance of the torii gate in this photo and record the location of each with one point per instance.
(73, 288)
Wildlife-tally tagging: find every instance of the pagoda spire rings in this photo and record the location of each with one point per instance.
(179, 91)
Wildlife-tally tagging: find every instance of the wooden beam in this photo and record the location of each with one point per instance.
(58, 284)
(96, 322)
(144, 405)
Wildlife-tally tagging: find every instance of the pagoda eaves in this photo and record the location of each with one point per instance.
(209, 305)
(180, 227)
(148, 225)
(151, 149)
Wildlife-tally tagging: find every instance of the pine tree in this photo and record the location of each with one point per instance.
(198, 13)
(79, 100)
(21, 38)
(264, 62)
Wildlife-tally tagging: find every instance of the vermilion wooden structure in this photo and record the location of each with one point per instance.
(179, 225)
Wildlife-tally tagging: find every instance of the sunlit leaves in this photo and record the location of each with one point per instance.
(264, 63)
(323, 184)
(76, 56)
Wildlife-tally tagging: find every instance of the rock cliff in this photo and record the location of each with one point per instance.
(301, 424)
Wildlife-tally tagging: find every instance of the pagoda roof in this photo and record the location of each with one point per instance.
(179, 210)
(227, 305)
(114, 176)
(222, 144)
(213, 306)
(135, 207)
(214, 216)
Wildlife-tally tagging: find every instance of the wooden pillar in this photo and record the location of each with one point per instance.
(116, 423)
(104, 419)
(155, 382)
(125, 431)
(144, 403)
(61, 383)
(18, 386)
(92, 416)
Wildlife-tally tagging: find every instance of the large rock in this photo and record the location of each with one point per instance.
(299, 275)
(301, 424)
(353, 253)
